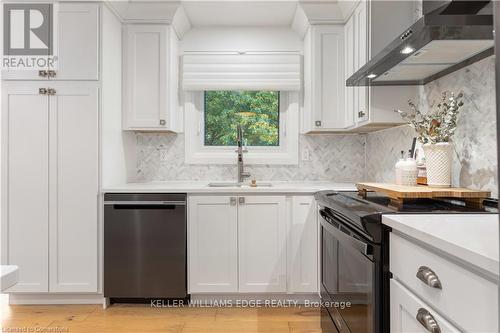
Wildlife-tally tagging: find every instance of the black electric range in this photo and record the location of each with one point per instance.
(355, 256)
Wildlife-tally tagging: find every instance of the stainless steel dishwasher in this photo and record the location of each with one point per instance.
(145, 245)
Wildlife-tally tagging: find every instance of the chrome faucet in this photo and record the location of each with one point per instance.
(241, 169)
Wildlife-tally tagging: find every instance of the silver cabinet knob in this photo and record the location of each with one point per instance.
(427, 276)
(317, 123)
(163, 122)
(42, 73)
(232, 201)
(425, 318)
(42, 91)
(241, 200)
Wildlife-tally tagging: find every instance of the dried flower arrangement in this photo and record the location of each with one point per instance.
(437, 126)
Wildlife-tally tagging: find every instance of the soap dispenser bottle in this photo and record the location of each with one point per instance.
(399, 168)
(409, 171)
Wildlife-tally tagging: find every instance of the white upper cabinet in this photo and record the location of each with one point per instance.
(356, 45)
(350, 68)
(303, 245)
(261, 243)
(150, 79)
(360, 44)
(324, 79)
(367, 32)
(77, 41)
(213, 244)
(76, 45)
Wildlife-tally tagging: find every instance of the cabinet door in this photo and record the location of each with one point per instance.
(75, 44)
(350, 38)
(213, 244)
(261, 243)
(360, 59)
(74, 188)
(328, 79)
(76, 37)
(145, 77)
(25, 165)
(404, 309)
(303, 245)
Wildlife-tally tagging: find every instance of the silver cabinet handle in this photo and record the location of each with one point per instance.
(232, 201)
(42, 73)
(425, 318)
(51, 73)
(241, 200)
(42, 91)
(427, 276)
(361, 114)
(162, 122)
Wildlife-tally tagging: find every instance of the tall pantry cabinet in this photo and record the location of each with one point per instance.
(50, 162)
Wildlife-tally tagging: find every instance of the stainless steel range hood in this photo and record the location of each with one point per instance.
(450, 35)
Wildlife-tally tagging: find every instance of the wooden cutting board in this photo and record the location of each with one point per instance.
(398, 193)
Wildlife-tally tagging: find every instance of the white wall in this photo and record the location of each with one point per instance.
(241, 39)
(118, 147)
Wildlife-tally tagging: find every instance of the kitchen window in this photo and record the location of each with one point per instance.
(256, 111)
(269, 120)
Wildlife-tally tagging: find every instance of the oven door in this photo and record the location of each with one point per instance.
(348, 277)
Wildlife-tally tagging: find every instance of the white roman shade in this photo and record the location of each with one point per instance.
(241, 72)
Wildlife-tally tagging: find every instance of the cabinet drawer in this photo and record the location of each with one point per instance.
(466, 298)
(405, 308)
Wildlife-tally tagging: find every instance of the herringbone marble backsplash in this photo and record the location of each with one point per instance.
(334, 157)
(358, 157)
(475, 160)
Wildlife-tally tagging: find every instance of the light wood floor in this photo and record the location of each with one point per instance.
(142, 318)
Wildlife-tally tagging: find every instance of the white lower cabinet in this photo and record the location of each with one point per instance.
(411, 315)
(303, 245)
(240, 243)
(452, 292)
(25, 186)
(261, 243)
(213, 244)
(74, 189)
(50, 185)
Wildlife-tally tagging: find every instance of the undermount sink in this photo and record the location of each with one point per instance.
(225, 184)
(230, 184)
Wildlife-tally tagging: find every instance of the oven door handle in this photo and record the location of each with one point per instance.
(364, 248)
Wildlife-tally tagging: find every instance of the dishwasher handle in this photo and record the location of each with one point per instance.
(145, 203)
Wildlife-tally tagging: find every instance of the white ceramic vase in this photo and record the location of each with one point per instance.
(438, 159)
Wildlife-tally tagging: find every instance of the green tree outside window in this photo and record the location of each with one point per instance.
(256, 111)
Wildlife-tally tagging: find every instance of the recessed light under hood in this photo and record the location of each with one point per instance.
(444, 40)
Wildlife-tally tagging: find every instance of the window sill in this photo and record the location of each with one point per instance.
(250, 158)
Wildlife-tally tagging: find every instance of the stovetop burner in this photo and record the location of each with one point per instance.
(365, 214)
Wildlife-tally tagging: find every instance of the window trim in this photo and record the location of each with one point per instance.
(287, 153)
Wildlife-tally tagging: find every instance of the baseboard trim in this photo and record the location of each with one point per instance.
(33, 299)
(264, 299)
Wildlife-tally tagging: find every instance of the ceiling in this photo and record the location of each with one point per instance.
(233, 13)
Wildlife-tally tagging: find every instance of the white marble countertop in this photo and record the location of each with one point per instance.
(9, 276)
(304, 187)
(472, 238)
